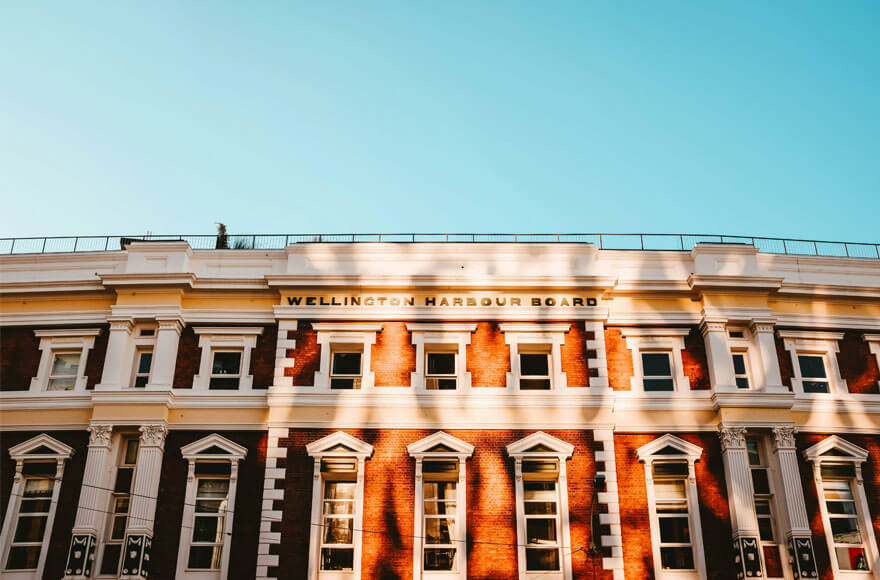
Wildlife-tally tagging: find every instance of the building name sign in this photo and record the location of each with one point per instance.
(441, 300)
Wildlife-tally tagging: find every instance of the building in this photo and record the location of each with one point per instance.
(439, 410)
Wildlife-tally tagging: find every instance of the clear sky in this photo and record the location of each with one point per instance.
(285, 117)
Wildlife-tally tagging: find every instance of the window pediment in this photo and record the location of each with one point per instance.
(214, 445)
(553, 446)
(440, 443)
(669, 446)
(339, 443)
(835, 448)
(40, 446)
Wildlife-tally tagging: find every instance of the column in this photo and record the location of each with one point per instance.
(139, 534)
(769, 363)
(165, 352)
(795, 522)
(718, 354)
(119, 358)
(747, 557)
(94, 497)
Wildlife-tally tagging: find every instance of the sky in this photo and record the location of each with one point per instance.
(455, 116)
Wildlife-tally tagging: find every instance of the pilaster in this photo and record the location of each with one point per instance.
(117, 362)
(768, 365)
(165, 352)
(721, 372)
(742, 507)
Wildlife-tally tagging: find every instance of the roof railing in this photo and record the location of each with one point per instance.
(604, 241)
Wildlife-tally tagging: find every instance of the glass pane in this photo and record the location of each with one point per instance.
(673, 489)
(534, 384)
(208, 529)
(30, 529)
(540, 508)
(842, 507)
(439, 558)
(38, 487)
(23, 557)
(65, 363)
(541, 531)
(845, 531)
(338, 530)
(674, 530)
(47, 469)
(144, 363)
(337, 383)
(337, 559)
(346, 363)
(124, 476)
(441, 363)
(110, 563)
(141, 381)
(760, 482)
(534, 364)
(754, 452)
(542, 559)
(223, 383)
(765, 529)
(539, 490)
(815, 386)
(338, 507)
(852, 559)
(212, 488)
(656, 364)
(671, 468)
(831, 470)
(339, 490)
(34, 506)
(739, 364)
(226, 363)
(762, 507)
(812, 367)
(677, 558)
(117, 532)
(131, 451)
(742, 383)
(61, 384)
(439, 508)
(210, 506)
(837, 490)
(773, 561)
(439, 490)
(659, 385)
(439, 530)
(204, 557)
(215, 468)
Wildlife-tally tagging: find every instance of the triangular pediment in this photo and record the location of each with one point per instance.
(669, 445)
(215, 445)
(835, 448)
(339, 443)
(441, 443)
(42, 445)
(540, 443)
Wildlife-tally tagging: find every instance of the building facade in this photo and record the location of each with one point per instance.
(334, 411)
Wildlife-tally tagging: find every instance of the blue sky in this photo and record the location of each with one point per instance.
(286, 117)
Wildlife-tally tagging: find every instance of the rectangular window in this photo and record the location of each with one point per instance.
(345, 371)
(64, 372)
(226, 370)
(673, 515)
(209, 521)
(843, 519)
(440, 518)
(441, 371)
(541, 513)
(337, 534)
(657, 371)
(764, 508)
(534, 370)
(33, 515)
(741, 370)
(120, 503)
(814, 375)
(143, 363)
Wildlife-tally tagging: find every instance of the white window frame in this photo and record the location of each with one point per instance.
(323, 448)
(559, 451)
(460, 451)
(649, 454)
(80, 340)
(647, 340)
(748, 375)
(225, 339)
(143, 344)
(193, 453)
(774, 498)
(106, 524)
(873, 341)
(135, 367)
(746, 346)
(836, 450)
(824, 344)
(440, 337)
(531, 338)
(345, 337)
(26, 451)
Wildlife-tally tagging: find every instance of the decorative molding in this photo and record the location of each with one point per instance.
(99, 435)
(153, 435)
(784, 436)
(732, 437)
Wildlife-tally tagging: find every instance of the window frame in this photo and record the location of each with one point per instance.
(824, 344)
(31, 451)
(139, 352)
(835, 450)
(424, 450)
(651, 340)
(105, 534)
(197, 452)
(357, 378)
(650, 454)
(225, 339)
(747, 366)
(63, 341)
(873, 341)
(772, 498)
(534, 338)
(440, 337)
(344, 337)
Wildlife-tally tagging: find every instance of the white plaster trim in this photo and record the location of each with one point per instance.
(873, 341)
(535, 336)
(670, 340)
(824, 344)
(432, 335)
(268, 514)
(217, 339)
(54, 317)
(52, 341)
(330, 334)
(611, 500)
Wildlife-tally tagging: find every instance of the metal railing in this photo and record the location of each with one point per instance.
(680, 242)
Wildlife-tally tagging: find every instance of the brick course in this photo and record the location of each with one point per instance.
(263, 357)
(393, 357)
(858, 365)
(19, 358)
(488, 358)
(574, 356)
(306, 356)
(188, 358)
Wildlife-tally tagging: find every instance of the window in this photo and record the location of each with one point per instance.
(676, 536)
(210, 499)
(762, 491)
(143, 364)
(27, 527)
(345, 372)
(64, 354)
(535, 355)
(814, 377)
(337, 505)
(542, 505)
(741, 370)
(814, 358)
(226, 358)
(120, 504)
(657, 362)
(440, 524)
(440, 373)
(657, 371)
(534, 369)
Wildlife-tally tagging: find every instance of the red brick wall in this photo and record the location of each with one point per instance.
(634, 512)
(619, 360)
(95, 360)
(574, 355)
(858, 365)
(59, 542)
(19, 358)
(488, 358)
(389, 493)
(263, 357)
(784, 358)
(248, 502)
(871, 475)
(306, 356)
(188, 358)
(393, 357)
(693, 358)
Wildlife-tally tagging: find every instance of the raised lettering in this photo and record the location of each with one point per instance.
(368, 301)
(564, 302)
(456, 302)
(294, 300)
(536, 301)
(310, 301)
(550, 302)
(577, 301)
(409, 301)
(355, 300)
(471, 301)
(515, 302)
(591, 301)
(381, 300)
(486, 302)
(430, 301)
(500, 301)
(444, 301)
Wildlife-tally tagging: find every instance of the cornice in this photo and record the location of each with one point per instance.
(833, 290)
(752, 400)
(634, 317)
(54, 318)
(184, 279)
(51, 286)
(765, 283)
(440, 282)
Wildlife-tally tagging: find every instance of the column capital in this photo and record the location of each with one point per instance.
(762, 325)
(153, 435)
(124, 323)
(732, 437)
(713, 324)
(784, 436)
(171, 322)
(99, 435)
